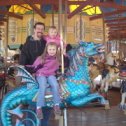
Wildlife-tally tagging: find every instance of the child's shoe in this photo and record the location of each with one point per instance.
(39, 113)
(57, 111)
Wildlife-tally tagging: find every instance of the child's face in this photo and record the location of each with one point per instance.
(51, 50)
(52, 32)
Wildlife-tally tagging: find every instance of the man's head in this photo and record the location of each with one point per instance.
(39, 29)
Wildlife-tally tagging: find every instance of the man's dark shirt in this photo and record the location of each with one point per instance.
(31, 50)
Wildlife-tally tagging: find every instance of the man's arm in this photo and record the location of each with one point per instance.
(23, 60)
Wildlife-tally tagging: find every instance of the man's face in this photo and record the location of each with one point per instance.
(38, 31)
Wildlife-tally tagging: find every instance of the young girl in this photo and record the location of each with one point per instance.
(53, 36)
(45, 67)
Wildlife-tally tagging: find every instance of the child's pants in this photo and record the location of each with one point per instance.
(42, 80)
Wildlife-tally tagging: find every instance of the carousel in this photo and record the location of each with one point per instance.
(92, 86)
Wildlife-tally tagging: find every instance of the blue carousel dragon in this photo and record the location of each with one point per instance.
(75, 86)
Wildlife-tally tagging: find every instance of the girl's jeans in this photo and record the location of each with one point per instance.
(42, 80)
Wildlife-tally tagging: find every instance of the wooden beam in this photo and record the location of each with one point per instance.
(117, 31)
(3, 20)
(111, 36)
(77, 10)
(110, 39)
(11, 14)
(108, 4)
(116, 24)
(116, 35)
(107, 14)
(1, 23)
(19, 2)
(117, 27)
(25, 7)
(116, 20)
(96, 3)
(75, 2)
(36, 8)
(92, 2)
(121, 32)
(101, 4)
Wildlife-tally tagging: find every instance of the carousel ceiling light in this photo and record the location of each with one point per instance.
(90, 11)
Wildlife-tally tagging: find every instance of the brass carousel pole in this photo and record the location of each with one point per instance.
(63, 118)
(33, 20)
(60, 25)
(104, 37)
(6, 43)
(65, 22)
(52, 15)
(65, 33)
(107, 106)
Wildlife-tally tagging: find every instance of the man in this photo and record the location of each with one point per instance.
(34, 45)
(33, 48)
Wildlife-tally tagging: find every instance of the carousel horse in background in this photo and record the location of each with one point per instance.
(123, 88)
(75, 86)
(94, 73)
(109, 74)
(123, 94)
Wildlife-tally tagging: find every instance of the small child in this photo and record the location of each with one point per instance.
(53, 36)
(45, 67)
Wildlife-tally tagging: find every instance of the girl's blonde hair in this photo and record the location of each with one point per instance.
(45, 51)
(52, 27)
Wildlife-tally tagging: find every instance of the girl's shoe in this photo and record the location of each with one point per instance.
(57, 111)
(39, 113)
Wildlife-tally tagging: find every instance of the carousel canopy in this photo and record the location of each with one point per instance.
(111, 11)
(90, 7)
(25, 8)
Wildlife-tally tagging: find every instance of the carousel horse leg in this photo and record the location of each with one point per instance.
(122, 104)
(106, 86)
(107, 106)
(123, 99)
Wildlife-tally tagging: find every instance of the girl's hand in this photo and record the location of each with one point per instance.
(63, 52)
(33, 74)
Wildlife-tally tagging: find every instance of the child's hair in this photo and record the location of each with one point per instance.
(52, 27)
(45, 51)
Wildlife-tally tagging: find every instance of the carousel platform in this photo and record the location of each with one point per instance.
(95, 115)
